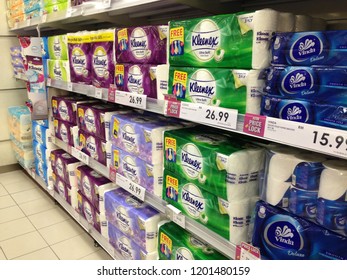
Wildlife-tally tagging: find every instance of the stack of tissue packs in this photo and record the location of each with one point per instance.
(15, 12)
(17, 60)
(138, 51)
(176, 243)
(308, 80)
(212, 178)
(19, 123)
(281, 235)
(32, 8)
(58, 64)
(132, 225)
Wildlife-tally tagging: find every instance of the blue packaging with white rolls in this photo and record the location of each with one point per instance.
(310, 48)
(303, 203)
(330, 115)
(281, 235)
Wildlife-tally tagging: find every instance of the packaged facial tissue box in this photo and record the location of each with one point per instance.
(310, 48)
(31, 46)
(137, 78)
(54, 155)
(137, 170)
(42, 154)
(91, 183)
(176, 243)
(35, 74)
(42, 170)
(91, 117)
(88, 211)
(57, 47)
(62, 188)
(19, 122)
(58, 70)
(126, 246)
(65, 167)
(133, 217)
(146, 44)
(63, 131)
(42, 135)
(140, 135)
(56, 8)
(93, 146)
(44, 47)
(281, 235)
(224, 166)
(332, 115)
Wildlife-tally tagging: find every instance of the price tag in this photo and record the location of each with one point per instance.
(176, 216)
(131, 187)
(254, 124)
(98, 93)
(216, 116)
(69, 86)
(111, 93)
(131, 99)
(172, 108)
(49, 82)
(28, 22)
(44, 18)
(112, 174)
(323, 139)
(246, 251)
(106, 3)
(80, 155)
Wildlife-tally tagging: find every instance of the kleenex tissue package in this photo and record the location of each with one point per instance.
(19, 122)
(65, 166)
(282, 235)
(41, 152)
(88, 211)
(44, 171)
(57, 47)
(126, 246)
(91, 184)
(93, 146)
(146, 44)
(227, 167)
(58, 70)
(42, 135)
(133, 217)
(326, 48)
(62, 188)
(176, 243)
(63, 131)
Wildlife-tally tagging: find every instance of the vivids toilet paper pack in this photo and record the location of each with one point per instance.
(93, 146)
(65, 166)
(144, 45)
(127, 247)
(176, 243)
(58, 70)
(133, 217)
(137, 170)
(310, 48)
(102, 50)
(62, 188)
(57, 47)
(219, 164)
(80, 57)
(281, 235)
(63, 131)
(136, 78)
(91, 184)
(88, 211)
(140, 135)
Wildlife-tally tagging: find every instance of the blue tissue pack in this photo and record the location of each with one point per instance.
(284, 236)
(310, 48)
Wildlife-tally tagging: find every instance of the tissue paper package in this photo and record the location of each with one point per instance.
(31, 46)
(140, 135)
(239, 41)
(224, 166)
(281, 235)
(133, 217)
(307, 83)
(62, 188)
(57, 47)
(54, 155)
(44, 48)
(144, 45)
(56, 7)
(176, 243)
(42, 135)
(35, 74)
(129, 249)
(91, 184)
(42, 170)
(25, 157)
(19, 122)
(137, 170)
(65, 107)
(80, 57)
(93, 146)
(32, 5)
(58, 70)
(103, 58)
(310, 48)
(91, 117)
(137, 78)
(41, 153)
(332, 115)
(88, 211)
(65, 166)
(42, 122)
(62, 130)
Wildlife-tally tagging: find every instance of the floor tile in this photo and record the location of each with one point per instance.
(49, 217)
(20, 186)
(29, 195)
(23, 244)
(10, 214)
(2, 255)
(3, 190)
(37, 206)
(6, 201)
(42, 254)
(75, 248)
(12, 177)
(61, 231)
(98, 255)
(15, 228)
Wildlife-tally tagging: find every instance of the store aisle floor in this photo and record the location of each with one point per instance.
(33, 227)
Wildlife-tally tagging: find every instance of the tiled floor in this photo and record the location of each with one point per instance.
(33, 227)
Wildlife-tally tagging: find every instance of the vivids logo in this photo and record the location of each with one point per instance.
(135, 79)
(183, 254)
(130, 169)
(125, 248)
(63, 111)
(294, 112)
(192, 200)
(139, 44)
(202, 86)
(205, 39)
(79, 61)
(191, 160)
(129, 138)
(306, 47)
(89, 119)
(297, 81)
(100, 61)
(122, 219)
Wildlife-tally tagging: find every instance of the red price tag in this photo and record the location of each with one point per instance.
(113, 173)
(173, 108)
(112, 94)
(254, 125)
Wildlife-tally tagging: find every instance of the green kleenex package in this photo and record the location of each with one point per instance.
(224, 166)
(56, 7)
(58, 70)
(176, 243)
(57, 47)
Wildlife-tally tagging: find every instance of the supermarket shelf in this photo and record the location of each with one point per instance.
(216, 241)
(21, 76)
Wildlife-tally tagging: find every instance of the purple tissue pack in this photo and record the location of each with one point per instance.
(64, 167)
(145, 44)
(62, 188)
(88, 211)
(63, 131)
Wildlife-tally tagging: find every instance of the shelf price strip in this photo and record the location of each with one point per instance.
(131, 187)
(80, 155)
(131, 99)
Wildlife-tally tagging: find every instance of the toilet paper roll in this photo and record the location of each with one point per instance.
(255, 83)
(318, 24)
(333, 181)
(239, 213)
(286, 22)
(302, 23)
(162, 81)
(265, 24)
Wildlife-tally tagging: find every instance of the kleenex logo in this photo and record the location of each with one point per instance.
(191, 160)
(193, 201)
(205, 89)
(128, 138)
(194, 163)
(99, 61)
(129, 168)
(211, 41)
(138, 44)
(134, 81)
(199, 205)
